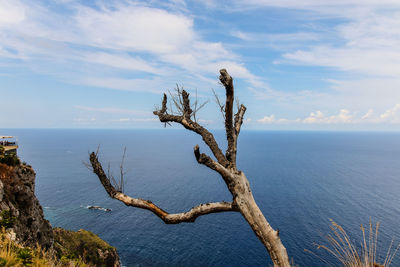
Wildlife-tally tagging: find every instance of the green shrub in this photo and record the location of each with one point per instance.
(7, 220)
(3, 262)
(10, 159)
(81, 245)
(25, 255)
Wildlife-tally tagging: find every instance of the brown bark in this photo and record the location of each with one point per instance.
(247, 206)
(168, 218)
(227, 82)
(185, 120)
(237, 183)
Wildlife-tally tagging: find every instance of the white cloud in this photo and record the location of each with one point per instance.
(369, 61)
(134, 28)
(242, 35)
(122, 61)
(368, 115)
(362, 94)
(343, 117)
(318, 117)
(267, 119)
(367, 42)
(110, 44)
(112, 110)
(147, 85)
(391, 115)
(127, 35)
(361, 39)
(278, 41)
(126, 120)
(11, 12)
(314, 117)
(272, 120)
(343, 7)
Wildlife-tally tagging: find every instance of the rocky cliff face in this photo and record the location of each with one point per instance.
(17, 195)
(22, 216)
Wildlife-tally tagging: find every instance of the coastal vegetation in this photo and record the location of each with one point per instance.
(83, 246)
(341, 246)
(27, 238)
(72, 249)
(10, 159)
(7, 220)
(14, 254)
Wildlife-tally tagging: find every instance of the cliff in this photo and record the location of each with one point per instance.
(84, 245)
(22, 217)
(17, 196)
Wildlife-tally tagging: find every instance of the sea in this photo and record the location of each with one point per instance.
(301, 181)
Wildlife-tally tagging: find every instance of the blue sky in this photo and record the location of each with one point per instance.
(297, 65)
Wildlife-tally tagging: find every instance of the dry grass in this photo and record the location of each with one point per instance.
(8, 255)
(12, 254)
(342, 248)
(6, 172)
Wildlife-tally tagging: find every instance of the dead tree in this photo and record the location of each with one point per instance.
(224, 164)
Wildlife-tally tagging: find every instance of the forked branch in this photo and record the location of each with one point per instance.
(210, 163)
(236, 181)
(232, 129)
(168, 218)
(186, 121)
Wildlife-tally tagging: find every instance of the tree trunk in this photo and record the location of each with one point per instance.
(247, 206)
(225, 165)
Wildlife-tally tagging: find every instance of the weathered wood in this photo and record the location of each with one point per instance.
(168, 218)
(227, 82)
(244, 200)
(238, 124)
(236, 181)
(185, 120)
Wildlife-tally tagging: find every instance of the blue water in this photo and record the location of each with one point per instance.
(299, 180)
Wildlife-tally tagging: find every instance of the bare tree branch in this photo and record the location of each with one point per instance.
(186, 122)
(177, 99)
(168, 218)
(176, 102)
(237, 103)
(187, 111)
(197, 106)
(239, 119)
(227, 82)
(236, 181)
(210, 163)
(122, 172)
(238, 123)
(221, 107)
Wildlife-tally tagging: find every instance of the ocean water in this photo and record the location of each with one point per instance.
(299, 179)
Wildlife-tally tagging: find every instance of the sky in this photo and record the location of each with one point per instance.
(297, 65)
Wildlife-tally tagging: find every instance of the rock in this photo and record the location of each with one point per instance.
(22, 216)
(94, 207)
(87, 245)
(17, 194)
(98, 208)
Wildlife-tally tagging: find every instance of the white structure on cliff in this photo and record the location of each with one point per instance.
(9, 143)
